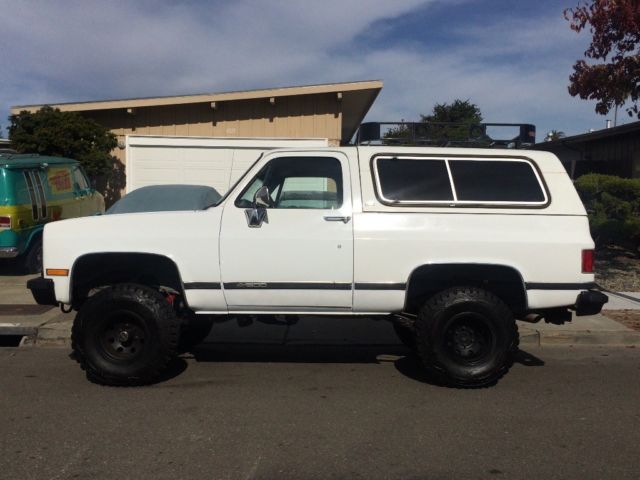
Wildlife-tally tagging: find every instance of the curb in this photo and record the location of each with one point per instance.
(585, 337)
(59, 337)
(56, 332)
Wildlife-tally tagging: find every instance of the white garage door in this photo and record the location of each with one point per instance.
(217, 162)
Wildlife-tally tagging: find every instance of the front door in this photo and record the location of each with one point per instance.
(301, 253)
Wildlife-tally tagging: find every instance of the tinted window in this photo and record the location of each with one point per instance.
(414, 180)
(495, 181)
(298, 182)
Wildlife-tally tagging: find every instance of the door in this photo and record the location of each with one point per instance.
(300, 254)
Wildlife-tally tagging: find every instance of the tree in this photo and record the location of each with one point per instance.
(614, 75)
(554, 135)
(447, 122)
(64, 134)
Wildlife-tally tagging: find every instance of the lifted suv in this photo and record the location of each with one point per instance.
(452, 244)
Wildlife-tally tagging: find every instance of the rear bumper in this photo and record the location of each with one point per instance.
(590, 302)
(43, 291)
(9, 252)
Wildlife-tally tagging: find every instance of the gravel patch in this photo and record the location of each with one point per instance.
(618, 270)
(629, 318)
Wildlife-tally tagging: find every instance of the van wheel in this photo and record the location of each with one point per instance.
(33, 258)
(125, 335)
(466, 336)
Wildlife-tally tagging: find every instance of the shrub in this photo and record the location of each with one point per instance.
(613, 204)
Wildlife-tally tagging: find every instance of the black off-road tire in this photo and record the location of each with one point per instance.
(32, 262)
(467, 337)
(125, 335)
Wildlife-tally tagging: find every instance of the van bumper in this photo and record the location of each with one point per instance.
(9, 252)
(43, 291)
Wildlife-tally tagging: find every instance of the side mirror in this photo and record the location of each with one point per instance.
(257, 215)
(262, 199)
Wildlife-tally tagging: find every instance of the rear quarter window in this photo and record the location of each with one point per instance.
(410, 180)
(458, 181)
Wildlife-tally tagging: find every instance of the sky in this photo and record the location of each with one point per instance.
(510, 57)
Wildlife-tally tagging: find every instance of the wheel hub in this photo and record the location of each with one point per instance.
(123, 336)
(123, 339)
(466, 339)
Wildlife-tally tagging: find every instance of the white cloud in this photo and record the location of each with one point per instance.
(92, 50)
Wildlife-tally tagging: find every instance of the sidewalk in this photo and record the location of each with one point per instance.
(619, 302)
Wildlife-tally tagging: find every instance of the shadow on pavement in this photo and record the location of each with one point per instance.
(297, 353)
(410, 367)
(11, 267)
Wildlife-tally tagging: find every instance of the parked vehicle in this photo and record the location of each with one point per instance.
(166, 198)
(451, 244)
(35, 190)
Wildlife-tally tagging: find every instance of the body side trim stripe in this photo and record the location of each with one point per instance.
(287, 286)
(293, 286)
(380, 286)
(560, 286)
(202, 286)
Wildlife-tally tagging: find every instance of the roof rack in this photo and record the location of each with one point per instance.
(446, 134)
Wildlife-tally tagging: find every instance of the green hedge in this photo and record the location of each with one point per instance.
(613, 204)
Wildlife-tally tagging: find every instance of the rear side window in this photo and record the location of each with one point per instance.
(496, 181)
(464, 182)
(410, 180)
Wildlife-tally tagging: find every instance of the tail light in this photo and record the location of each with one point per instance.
(5, 222)
(587, 261)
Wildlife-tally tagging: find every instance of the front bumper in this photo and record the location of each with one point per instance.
(590, 302)
(43, 291)
(9, 252)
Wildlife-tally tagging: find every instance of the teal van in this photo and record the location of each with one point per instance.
(35, 190)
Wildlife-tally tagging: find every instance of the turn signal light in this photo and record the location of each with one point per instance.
(5, 222)
(58, 272)
(587, 261)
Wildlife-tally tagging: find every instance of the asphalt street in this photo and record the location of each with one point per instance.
(322, 412)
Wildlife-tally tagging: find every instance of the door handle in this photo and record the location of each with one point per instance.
(331, 218)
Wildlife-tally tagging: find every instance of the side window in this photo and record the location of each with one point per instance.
(496, 181)
(413, 180)
(419, 180)
(298, 182)
(79, 179)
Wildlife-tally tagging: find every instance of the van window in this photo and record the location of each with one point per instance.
(80, 179)
(453, 181)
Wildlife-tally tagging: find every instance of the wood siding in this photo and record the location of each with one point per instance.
(301, 116)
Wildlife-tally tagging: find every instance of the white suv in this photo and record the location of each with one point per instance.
(452, 244)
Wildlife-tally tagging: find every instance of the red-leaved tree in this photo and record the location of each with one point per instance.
(612, 77)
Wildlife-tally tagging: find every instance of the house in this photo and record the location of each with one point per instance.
(613, 151)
